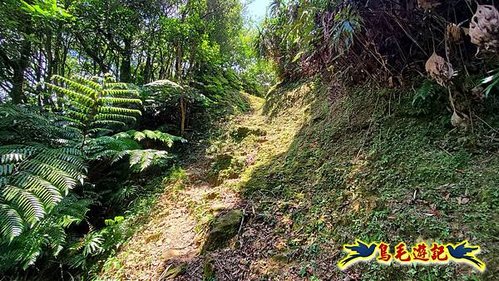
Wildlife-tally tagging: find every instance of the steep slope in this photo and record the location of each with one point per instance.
(276, 194)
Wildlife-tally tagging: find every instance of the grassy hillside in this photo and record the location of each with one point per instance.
(367, 164)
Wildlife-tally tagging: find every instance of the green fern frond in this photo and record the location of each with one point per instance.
(165, 138)
(108, 123)
(90, 245)
(38, 180)
(92, 84)
(117, 85)
(15, 153)
(73, 123)
(78, 117)
(143, 159)
(78, 87)
(11, 223)
(75, 96)
(114, 100)
(6, 169)
(48, 234)
(126, 144)
(25, 202)
(119, 110)
(100, 131)
(114, 117)
(44, 190)
(97, 104)
(20, 125)
(118, 92)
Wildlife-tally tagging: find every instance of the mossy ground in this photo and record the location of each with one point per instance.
(317, 167)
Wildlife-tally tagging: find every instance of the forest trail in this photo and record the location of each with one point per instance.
(170, 243)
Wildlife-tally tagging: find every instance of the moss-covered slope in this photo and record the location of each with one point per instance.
(367, 164)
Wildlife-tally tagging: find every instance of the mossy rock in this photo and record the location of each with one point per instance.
(225, 167)
(208, 270)
(242, 132)
(224, 228)
(221, 163)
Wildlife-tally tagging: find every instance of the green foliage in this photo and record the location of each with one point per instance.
(347, 22)
(43, 157)
(386, 178)
(83, 249)
(97, 106)
(127, 144)
(164, 138)
(159, 95)
(22, 125)
(491, 82)
(258, 73)
(426, 90)
(39, 165)
(48, 9)
(46, 238)
(37, 168)
(33, 179)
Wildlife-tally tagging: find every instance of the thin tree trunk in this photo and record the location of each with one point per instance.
(178, 63)
(183, 112)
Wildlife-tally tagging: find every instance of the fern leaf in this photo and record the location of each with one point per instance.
(118, 92)
(117, 85)
(114, 100)
(40, 178)
(119, 110)
(29, 205)
(115, 117)
(11, 223)
(92, 84)
(98, 123)
(76, 86)
(72, 94)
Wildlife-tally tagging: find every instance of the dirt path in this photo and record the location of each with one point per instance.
(169, 245)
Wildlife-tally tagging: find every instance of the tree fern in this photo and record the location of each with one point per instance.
(47, 237)
(97, 105)
(21, 125)
(127, 144)
(33, 179)
(43, 156)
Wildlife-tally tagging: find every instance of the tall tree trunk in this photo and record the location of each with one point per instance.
(17, 92)
(126, 62)
(147, 69)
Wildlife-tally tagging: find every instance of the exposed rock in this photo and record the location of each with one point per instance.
(242, 132)
(224, 228)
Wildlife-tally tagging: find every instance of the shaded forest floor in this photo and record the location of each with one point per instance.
(282, 187)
